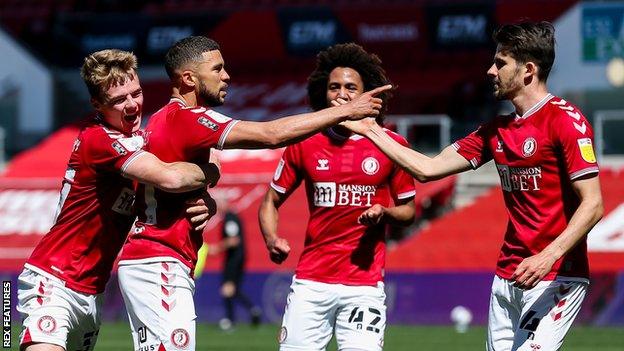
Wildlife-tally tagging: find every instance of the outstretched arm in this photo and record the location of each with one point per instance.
(268, 218)
(421, 167)
(289, 130)
(174, 177)
(532, 269)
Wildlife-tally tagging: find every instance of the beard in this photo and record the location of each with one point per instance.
(506, 90)
(209, 98)
(499, 92)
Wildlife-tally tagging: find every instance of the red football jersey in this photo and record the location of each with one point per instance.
(174, 133)
(538, 156)
(342, 179)
(96, 210)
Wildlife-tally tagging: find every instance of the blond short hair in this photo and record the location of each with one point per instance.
(106, 68)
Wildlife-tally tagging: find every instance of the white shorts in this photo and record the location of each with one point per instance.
(159, 300)
(535, 319)
(314, 310)
(55, 314)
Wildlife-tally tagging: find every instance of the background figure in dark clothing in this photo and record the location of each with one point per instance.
(233, 248)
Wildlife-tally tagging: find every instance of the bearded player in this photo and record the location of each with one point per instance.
(156, 265)
(549, 178)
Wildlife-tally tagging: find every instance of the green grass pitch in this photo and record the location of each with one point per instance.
(116, 336)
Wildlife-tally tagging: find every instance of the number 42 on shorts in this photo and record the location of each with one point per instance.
(357, 316)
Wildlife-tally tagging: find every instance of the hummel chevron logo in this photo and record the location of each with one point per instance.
(323, 165)
(559, 103)
(168, 306)
(575, 115)
(580, 127)
(167, 277)
(167, 292)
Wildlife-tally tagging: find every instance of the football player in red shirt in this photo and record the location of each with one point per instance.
(158, 258)
(353, 191)
(549, 177)
(60, 289)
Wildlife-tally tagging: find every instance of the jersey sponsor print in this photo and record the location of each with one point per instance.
(342, 178)
(537, 156)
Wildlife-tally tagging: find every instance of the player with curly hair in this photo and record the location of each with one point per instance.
(353, 191)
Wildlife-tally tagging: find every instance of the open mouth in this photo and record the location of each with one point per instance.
(131, 118)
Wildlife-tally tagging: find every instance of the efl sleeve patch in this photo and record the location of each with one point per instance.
(206, 122)
(119, 148)
(587, 150)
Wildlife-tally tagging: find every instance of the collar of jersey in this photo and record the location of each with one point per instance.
(339, 137)
(535, 107)
(110, 130)
(175, 99)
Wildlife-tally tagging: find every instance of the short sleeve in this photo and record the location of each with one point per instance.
(287, 174)
(110, 152)
(402, 183)
(575, 139)
(203, 129)
(474, 147)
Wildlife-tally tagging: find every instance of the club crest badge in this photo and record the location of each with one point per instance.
(47, 324)
(180, 338)
(529, 147)
(370, 165)
(283, 334)
(499, 146)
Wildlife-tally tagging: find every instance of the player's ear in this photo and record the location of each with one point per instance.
(187, 77)
(531, 69)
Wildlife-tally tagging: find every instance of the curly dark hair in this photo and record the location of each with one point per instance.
(347, 55)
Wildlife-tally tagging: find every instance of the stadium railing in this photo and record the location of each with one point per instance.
(405, 125)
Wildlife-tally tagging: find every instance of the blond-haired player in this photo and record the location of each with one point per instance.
(60, 288)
